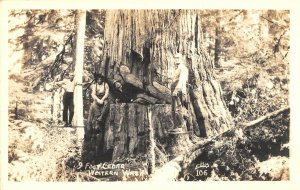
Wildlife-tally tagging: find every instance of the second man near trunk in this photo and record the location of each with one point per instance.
(178, 90)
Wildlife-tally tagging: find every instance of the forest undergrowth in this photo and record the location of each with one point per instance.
(37, 149)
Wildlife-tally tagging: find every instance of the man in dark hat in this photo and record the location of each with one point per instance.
(100, 106)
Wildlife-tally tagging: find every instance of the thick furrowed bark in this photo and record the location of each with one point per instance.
(144, 40)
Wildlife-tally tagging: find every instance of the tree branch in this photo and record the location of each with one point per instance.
(267, 116)
(240, 12)
(57, 62)
(272, 21)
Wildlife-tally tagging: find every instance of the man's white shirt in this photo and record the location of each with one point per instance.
(68, 85)
(183, 73)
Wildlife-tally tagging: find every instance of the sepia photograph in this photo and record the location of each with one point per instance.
(148, 95)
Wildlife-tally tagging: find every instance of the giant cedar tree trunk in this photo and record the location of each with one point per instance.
(139, 44)
(157, 35)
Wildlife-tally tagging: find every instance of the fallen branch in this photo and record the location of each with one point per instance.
(170, 171)
(197, 149)
(267, 116)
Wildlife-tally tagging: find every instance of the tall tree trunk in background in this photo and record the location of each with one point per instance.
(218, 39)
(78, 98)
(28, 33)
(158, 35)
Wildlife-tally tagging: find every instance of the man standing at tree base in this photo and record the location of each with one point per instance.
(179, 91)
